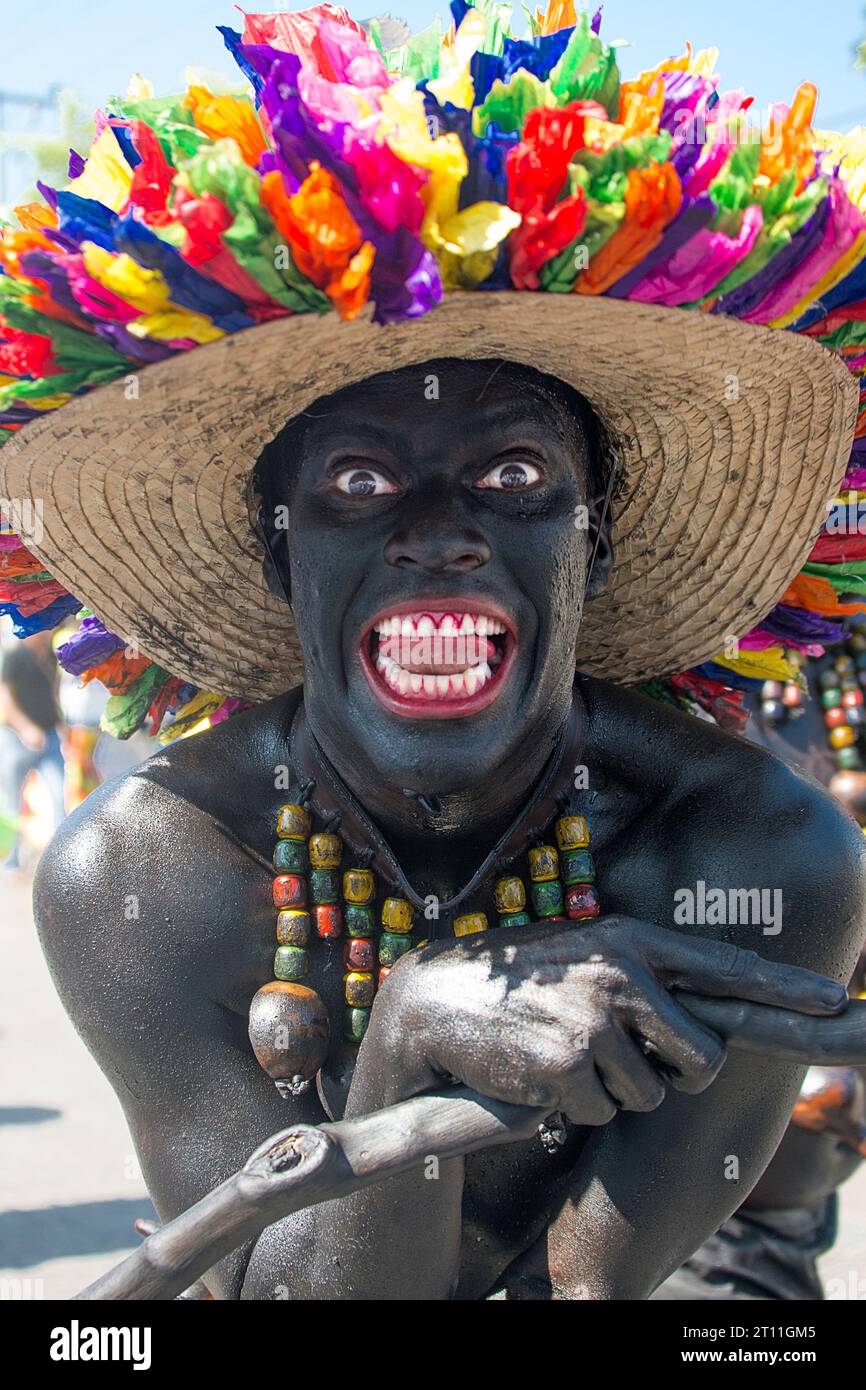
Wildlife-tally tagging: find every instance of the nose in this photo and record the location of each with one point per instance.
(447, 549)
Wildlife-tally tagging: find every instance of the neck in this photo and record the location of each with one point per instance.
(451, 826)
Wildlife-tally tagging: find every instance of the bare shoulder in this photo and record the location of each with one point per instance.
(730, 817)
(142, 883)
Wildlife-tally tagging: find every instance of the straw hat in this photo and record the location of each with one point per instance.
(732, 440)
(385, 185)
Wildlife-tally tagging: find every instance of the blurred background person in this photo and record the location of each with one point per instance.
(30, 731)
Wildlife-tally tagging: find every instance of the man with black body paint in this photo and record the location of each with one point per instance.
(467, 502)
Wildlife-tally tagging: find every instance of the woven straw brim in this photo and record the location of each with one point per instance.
(731, 438)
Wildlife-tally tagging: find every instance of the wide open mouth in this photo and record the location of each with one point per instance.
(439, 660)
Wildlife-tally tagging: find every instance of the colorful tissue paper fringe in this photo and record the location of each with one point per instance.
(342, 175)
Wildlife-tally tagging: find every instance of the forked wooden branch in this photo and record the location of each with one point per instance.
(305, 1165)
(309, 1164)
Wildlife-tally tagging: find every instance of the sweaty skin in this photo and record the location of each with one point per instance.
(154, 906)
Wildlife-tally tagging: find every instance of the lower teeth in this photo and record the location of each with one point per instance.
(454, 686)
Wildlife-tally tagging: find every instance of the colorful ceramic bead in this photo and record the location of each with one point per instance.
(360, 921)
(293, 927)
(849, 759)
(842, 738)
(833, 718)
(360, 988)
(509, 894)
(547, 897)
(852, 697)
(290, 963)
(844, 664)
(581, 900)
(470, 923)
(290, 890)
(515, 919)
(572, 832)
(326, 851)
(392, 946)
(293, 823)
(290, 857)
(831, 697)
(856, 716)
(827, 679)
(359, 886)
(543, 863)
(397, 915)
(324, 886)
(359, 953)
(329, 920)
(355, 1023)
(578, 867)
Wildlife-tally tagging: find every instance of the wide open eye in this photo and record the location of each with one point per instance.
(363, 482)
(513, 475)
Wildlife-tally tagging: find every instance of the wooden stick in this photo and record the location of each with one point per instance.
(305, 1165)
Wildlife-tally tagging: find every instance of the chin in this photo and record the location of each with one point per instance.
(442, 752)
(439, 759)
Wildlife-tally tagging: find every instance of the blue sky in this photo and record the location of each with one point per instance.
(767, 46)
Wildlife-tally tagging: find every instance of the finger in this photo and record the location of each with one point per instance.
(690, 1054)
(585, 1100)
(626, 1074)
(779, 1033)
(723, 970)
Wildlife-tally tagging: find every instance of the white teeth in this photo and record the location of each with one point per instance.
(399, 637)
(424, 625)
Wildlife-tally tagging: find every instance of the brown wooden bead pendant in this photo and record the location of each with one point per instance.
(290, 1033)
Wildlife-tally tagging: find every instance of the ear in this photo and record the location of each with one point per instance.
(276, 566)
(599, 543)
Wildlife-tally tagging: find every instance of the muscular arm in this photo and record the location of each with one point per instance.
(156, 923)
(649, 1188)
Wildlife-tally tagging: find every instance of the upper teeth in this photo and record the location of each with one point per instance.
(425, 624)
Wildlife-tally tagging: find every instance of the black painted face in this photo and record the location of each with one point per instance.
(438, 565)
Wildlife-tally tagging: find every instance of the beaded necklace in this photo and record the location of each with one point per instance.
(842, 681)
(314, 895)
